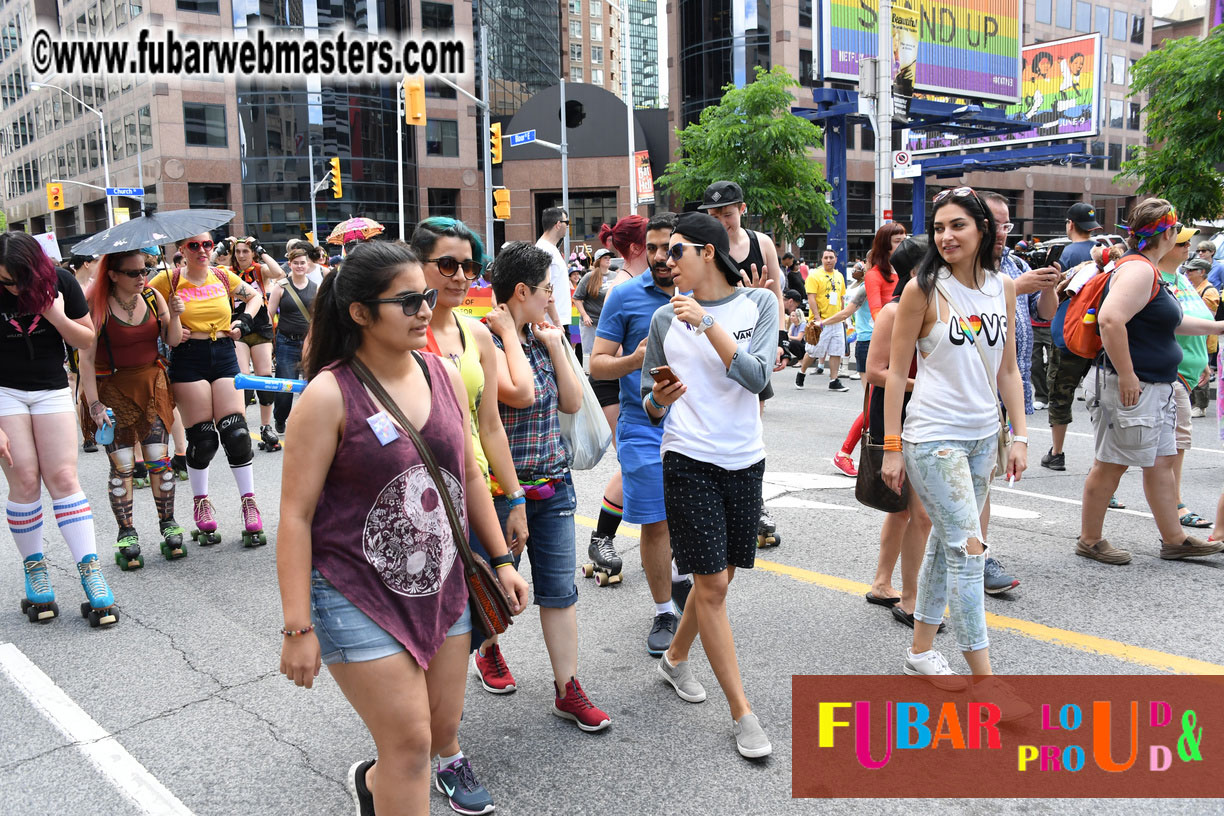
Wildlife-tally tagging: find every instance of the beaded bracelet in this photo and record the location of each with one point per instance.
(296, 632)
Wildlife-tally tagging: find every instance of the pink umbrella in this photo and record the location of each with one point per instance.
(354, 229)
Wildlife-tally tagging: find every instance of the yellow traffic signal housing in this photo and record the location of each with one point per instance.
(414, 100)
(337, 184)
(495, 142)
(501, 204)
(55, 197)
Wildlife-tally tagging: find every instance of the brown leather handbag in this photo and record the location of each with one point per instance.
(869, 487)
(490, 606)
(811, 334)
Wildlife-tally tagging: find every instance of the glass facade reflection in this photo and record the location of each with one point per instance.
(706, 52)
(524, 50)
(644, 52)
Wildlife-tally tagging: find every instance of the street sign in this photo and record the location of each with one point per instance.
(134, 192)
(888, 215)
(907, 171)
(522, 138)
(901, 158)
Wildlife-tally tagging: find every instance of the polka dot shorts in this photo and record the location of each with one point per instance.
(712, 513)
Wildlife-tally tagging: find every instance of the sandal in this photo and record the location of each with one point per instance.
(1192, 519)
(1114, 504)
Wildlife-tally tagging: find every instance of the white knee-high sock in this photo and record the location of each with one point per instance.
(25, 522)
(198, 479)
(76, 524)
(244, 475)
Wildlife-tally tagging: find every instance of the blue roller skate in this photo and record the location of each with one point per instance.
(39, 603)
(100, 608)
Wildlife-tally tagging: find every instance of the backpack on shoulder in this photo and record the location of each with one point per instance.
(1075, 328)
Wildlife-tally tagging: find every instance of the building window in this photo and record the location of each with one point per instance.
(597, 55)
(1130, 72)
(576, 73)
(437, 16)
(1062, 10)
(1117, 69)
(575, 7)
(146, 128)
(198, 6)
(596, 32)
(1132, 116)
(805, 13)
(442, 137)
(1115, 156)
(1044, 10)
(596, 9)
(1119, 26)
(1102, 21)
(1083, 16)
(866, 138)
(208, 196)
(575, 52)
(205, 125)
(805, 68)
(1137, 21)
(444, 202)
(597, 76)
(131, 135)
(1115, 113)
(576, 30)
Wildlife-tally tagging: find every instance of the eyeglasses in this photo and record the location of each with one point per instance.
(959, 192)
(134, 273)
(1006, 227)
(411, 302)
(547, 287)
(196, 246)
(448, 266)
(676, 251)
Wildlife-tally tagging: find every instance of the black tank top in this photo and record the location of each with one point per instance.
(754, 255)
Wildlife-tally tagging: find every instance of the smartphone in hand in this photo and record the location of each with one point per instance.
(664, 375)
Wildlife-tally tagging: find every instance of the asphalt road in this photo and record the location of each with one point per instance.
(182, 700)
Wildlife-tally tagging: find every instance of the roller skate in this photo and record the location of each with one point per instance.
(268, 439)
(140, 475)
(39, 603)
(100, 608)
(172, 545)
(179, 463)
(206, 523)
(605, 563)
(127, 550)
(767, 535)
(253, 535)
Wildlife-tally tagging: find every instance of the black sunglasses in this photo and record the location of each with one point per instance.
(134, 273)
(411, 302)
(196, 246)
(448, 266)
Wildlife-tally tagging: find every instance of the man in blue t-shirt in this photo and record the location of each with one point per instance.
(1081, 223)
(620, 345)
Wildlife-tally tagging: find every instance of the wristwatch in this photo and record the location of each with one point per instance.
(706, 323)
(518, 494)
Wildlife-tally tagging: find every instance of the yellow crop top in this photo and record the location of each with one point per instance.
(208, 305)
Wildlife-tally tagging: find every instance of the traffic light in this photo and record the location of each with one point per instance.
(55, 197)
(414, 100)
(337, 184)
(495, 144)
(501, 204)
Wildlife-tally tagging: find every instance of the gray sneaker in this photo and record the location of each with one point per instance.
(682, 679)
(750, 737)
(997, 580)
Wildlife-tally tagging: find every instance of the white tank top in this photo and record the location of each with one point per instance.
(952, 399)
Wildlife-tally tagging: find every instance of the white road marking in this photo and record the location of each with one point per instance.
(1003, 511)
(128, 776)
(804, 504)
(1091, 436)
(791, 482)
(1061, 500)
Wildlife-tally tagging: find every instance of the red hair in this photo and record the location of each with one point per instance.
(34, 274)
(626, 233)
(881, 248)
(102, 286)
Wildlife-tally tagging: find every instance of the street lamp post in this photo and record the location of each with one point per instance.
(110, 213)
(623, 11)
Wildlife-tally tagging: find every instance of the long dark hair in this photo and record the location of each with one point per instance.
(928, 270)
(881, 248)
(366, 273)
(30, 269)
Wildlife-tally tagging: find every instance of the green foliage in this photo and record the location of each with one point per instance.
(753, 139)
(3, 221)
(1185, 90)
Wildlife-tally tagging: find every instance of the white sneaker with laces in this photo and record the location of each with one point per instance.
(932, 665)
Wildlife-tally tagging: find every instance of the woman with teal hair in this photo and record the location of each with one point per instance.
(452, 256)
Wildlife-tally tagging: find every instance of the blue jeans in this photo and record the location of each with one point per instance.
(953, 480)
(550, 545)
(288, 359)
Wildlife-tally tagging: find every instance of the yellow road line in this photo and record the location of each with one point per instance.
(1036, 631)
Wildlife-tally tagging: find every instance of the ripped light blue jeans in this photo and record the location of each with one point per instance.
(953, 480)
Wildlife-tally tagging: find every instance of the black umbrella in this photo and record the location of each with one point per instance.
(153, 229)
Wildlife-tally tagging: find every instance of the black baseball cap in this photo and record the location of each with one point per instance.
(793, 294)
(1083, 216)
(703, 229)
(720, 194)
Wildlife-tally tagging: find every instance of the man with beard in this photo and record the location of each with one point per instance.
(624, 324)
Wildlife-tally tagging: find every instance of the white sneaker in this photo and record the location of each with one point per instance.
(1197, 412)
(1038, 405)
(932, 665)
(994, 690)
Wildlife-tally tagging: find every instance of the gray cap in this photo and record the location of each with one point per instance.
(1197, 263)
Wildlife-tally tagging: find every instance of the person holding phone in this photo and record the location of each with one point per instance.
(713, 354)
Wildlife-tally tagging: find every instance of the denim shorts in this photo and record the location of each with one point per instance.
(347, 635)
(550, 544)
(637, 448)
(208, 360)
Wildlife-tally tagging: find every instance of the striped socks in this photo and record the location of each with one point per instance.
(609, 519)
(75, 521)
(25, 522)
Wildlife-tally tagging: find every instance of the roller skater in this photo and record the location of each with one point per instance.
(39, 603)
(100, 606)
(767, 535)
(140, 475)
(206, 523)
(269, 440)
(172, 546)
(605, 563)
(253, 535)
(257, 269)
(127, 550)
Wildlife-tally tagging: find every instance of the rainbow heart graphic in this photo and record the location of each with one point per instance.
(971, 326)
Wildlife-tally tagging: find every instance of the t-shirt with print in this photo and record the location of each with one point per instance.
(829, 289)
(206, 306)
(1194, 348)
(31, 348)
(718, 418)
(863, 324)
(558, 276)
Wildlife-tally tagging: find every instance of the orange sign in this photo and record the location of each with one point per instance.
(645, 181)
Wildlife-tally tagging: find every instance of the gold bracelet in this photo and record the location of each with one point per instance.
(499, 566)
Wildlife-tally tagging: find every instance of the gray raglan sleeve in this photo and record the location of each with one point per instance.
(655, 356)
(752, 370)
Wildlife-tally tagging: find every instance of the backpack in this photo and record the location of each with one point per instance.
(1075, 328)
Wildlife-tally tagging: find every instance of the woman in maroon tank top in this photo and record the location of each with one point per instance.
(370, 579)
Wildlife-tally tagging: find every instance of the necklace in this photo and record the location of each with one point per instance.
(130, 309)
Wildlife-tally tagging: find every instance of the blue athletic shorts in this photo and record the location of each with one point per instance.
(637, 448)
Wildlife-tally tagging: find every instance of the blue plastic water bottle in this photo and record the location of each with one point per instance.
(106, 433)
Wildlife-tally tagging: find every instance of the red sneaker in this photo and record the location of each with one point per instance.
(845, 464)
(575, 706)
(495, 676)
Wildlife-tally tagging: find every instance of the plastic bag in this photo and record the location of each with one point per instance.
(586, 434)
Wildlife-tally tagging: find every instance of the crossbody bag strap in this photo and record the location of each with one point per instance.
(992, 385)
(303, 308)
(426, 453)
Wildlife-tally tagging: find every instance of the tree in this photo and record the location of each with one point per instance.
(753, 139)
(1184, 128)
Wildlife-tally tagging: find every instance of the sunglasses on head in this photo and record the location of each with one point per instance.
(957, 192)
(676, 250)
(196, 246)
(411, 302)
(448, 266)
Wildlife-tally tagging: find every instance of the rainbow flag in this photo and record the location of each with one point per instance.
(479, 302)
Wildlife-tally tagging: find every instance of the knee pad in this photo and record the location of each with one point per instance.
(202, 445)
(236, 439)
(155, 454)
(265, 397)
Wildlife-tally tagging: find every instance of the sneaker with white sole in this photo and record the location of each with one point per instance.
(682, 679)
(932, 665)
(495, 675)
(356, 784)
(750, 737)
(996, 579)
(463, 793)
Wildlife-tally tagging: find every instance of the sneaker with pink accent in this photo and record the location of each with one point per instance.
(845, 464)
(495, 675)
(577, 707)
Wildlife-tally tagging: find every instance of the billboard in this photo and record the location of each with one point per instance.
(967, 48)
(1060, 95)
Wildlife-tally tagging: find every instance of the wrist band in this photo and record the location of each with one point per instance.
(502, 560)
(655, 402)
(892, 447)
(1023, 439)
(891, 438)
(296, 632)
(510, 565)
(518, 494)
(518, 501)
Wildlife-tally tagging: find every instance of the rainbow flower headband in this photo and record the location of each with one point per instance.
(1156, 227)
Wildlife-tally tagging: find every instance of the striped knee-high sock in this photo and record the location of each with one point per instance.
(25, 522)
(76, 524)
(609, 519)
